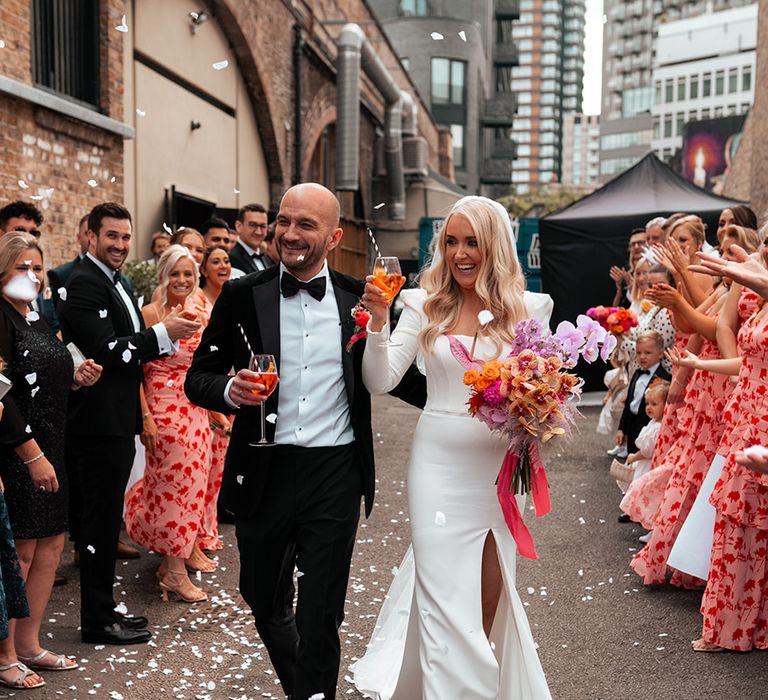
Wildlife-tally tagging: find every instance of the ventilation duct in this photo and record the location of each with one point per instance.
(355, 53)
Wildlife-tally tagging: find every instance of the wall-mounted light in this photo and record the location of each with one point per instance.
(194, 125)
(196, 19)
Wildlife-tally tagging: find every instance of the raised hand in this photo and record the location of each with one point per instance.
(742, 268)
(377, 303)
(619, 276)
(665, 296)
(686, 359)
(181, 324)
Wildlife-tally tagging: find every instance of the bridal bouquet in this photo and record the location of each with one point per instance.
(614, 319)
(530, 398)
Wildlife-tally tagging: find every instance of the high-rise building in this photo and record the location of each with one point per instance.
(459, 54)
(704, 68)
(581, 151)
(549, 36)
(626, 124)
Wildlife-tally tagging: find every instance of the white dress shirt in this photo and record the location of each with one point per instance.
(312, 407)
(164, 343)
(640, 386)
(255, 255)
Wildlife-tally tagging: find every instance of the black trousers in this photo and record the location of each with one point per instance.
(634, 425)
(307, 518)
(75, 497)
(103, 465)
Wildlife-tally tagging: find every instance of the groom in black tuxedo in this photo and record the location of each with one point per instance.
(296, 504)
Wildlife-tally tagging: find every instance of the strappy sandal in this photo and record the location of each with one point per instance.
(705, 647)
(18, 682)
(60, 664)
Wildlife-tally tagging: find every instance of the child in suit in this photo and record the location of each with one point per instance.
(650, 350)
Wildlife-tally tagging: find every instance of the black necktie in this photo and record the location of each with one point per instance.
(290, 286)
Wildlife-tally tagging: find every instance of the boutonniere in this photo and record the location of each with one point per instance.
(361, 316)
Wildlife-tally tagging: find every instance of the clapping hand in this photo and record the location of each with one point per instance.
(742, 268)
(87, 374)
(677, 255)
(620, 276)
(663, 295)
(688, 359)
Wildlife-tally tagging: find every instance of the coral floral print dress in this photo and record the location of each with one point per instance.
(735, 602)
(165, 509)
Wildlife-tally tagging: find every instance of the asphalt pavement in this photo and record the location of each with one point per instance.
(601, 634)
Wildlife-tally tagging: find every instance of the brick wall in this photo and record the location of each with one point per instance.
(56, 156)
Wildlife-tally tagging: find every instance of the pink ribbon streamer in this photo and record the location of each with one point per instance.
(539, 494)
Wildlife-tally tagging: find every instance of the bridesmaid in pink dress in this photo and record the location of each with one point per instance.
(214, 272)
(735, 602)
(164, 509)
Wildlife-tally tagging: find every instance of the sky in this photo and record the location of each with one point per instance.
(593, 51)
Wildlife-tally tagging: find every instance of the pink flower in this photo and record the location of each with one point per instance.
(492, 395)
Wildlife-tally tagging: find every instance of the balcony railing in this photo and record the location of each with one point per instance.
(500, 109)
(507, 9)
(505, 54)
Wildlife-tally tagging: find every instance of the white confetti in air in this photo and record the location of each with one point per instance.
(167, 228)
(102, 313)
(271, 418)
(380, 205)
(437, 36)
(235, 190)
(33, 316)
(141, 112)
(111, 344)
(34, 391)
(463, 35)
(213, 348)
(122, 27)
(317, 696)
(299, 574)
(300, 258)
(28, 429)
(239, 478)
(485, 317)
(120, 608)
(91, 549)
(127, 355)
(62, 292)
(2, 44)
(36, 197)
(220, 65)
(23, 185)
(605, 19)
(440, 519)
(113, 179)
(22, 288)
(92, 183)
(131, 346)
(31, 377)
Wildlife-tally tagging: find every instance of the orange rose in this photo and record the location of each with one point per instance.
(471, 376)
(483, 383)
(492, 370)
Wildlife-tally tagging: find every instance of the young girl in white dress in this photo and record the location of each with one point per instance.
(453, 625)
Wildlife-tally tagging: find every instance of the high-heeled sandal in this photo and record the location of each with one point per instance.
(199, 562)
(179, 584)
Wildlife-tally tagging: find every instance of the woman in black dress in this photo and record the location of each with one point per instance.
(32, 438)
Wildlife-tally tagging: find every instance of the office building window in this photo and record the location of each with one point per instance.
(694, 91)
(718, 112)
(680, 124)
(706, 113)
(657, 92)
(457, 134)
(706, 85)
(746, 78)
(656, 127)
(669, 91)
(733, 80)
(448, 81)
(680, 89)
(65, 48)
(413, 8)
(719, 82)
(668, 126)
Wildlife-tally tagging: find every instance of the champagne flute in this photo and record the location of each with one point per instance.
(266, 367)
(389, 279)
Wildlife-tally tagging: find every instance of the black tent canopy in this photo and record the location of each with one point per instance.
(581, 242)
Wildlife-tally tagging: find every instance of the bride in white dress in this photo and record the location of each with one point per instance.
(453, 626)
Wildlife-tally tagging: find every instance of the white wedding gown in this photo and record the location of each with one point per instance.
(429, 641)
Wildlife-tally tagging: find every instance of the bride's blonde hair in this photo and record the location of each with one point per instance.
(500, 281)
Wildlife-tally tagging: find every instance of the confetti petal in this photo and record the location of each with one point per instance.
(167, 228)
(271, 418)
(62, 292)
(437, 36)
(2, 44)
(220, 65)
(23, 185)
(213, 348)
(111, 344)
(141, 112)
(91, 549)
(463, 35)
(31, 377)
(380, 205)
(92, 183)
(440, 519)
(33, 316)
(235, 190)
(239, 478)
(122, 27)
(102, 313)
(127, 355)
(485, 317)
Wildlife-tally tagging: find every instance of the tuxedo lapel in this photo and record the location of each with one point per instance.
(266, 300)
(346, 301)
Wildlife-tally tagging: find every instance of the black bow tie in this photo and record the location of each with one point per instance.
(644, 371)
(290, 286)
(256, 255)
(117, 277)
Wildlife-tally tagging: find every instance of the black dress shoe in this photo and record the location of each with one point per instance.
(624, 518)
(137, 622)
(114, 634)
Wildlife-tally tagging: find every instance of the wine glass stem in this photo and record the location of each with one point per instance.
(263, 425)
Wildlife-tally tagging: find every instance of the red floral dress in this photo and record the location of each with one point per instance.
(688, 459)
(164, 509)
(735, 602)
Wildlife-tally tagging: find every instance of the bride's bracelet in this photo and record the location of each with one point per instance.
(34, 459)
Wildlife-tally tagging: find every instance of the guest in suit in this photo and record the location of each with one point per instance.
(297, 503)
(649, 351)
(102, 319)
(251, 227)
(58, 276)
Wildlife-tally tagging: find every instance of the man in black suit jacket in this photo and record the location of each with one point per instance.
(102, 319)
(649, 351)
(251, 227)
(297, 503)
(58, 276)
